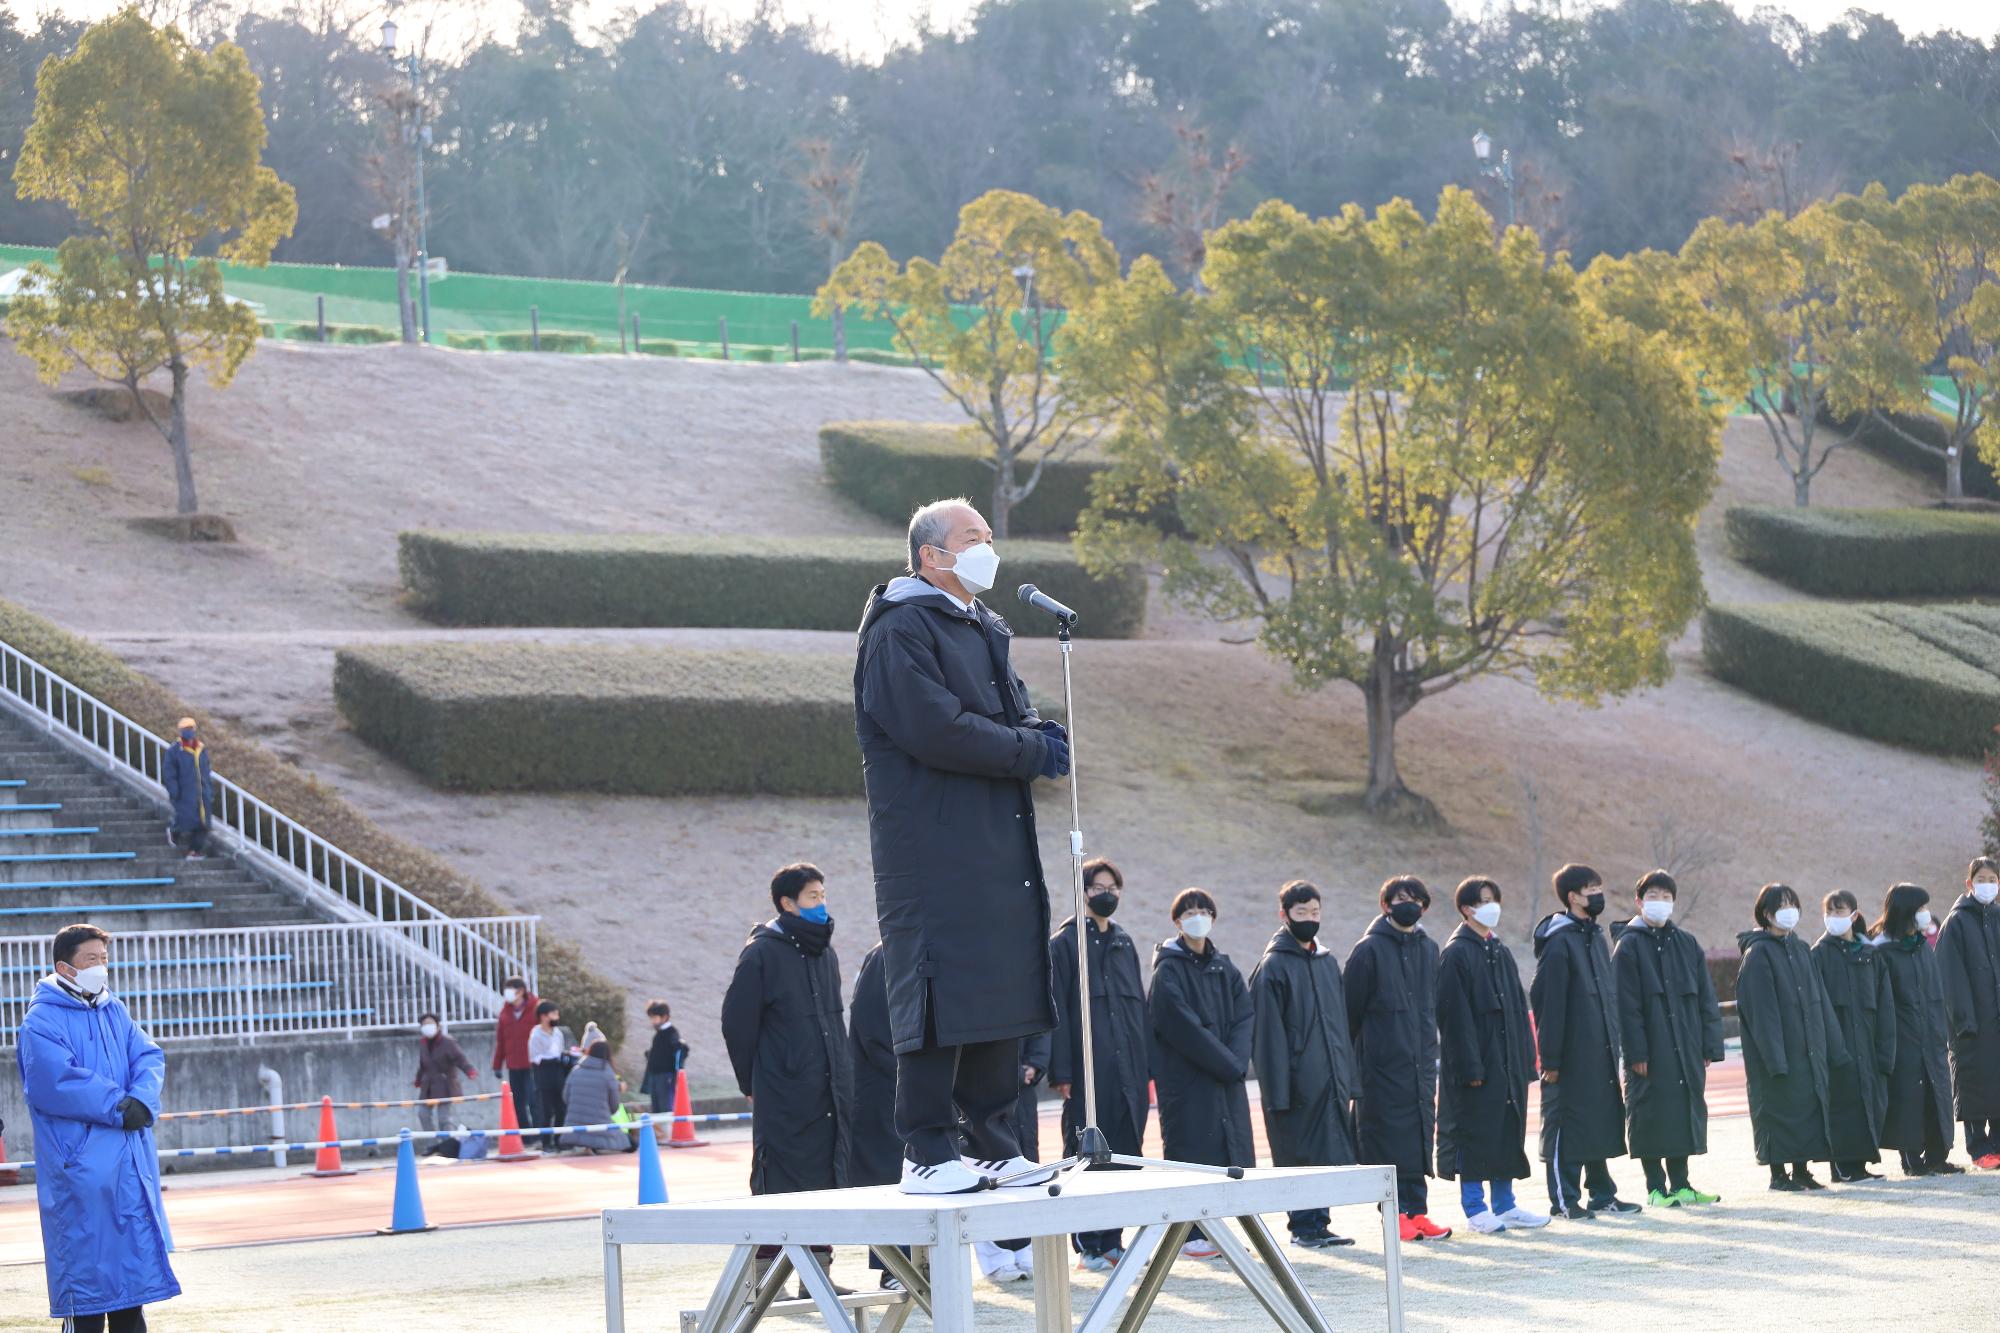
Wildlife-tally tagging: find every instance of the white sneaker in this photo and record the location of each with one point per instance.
(1521, 1217)
(944, 1178)
(997, 1264)
(1024, 1260)
(1201, 1249)
(1013, 1166)
(1487, 1223)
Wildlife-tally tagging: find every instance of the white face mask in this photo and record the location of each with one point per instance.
(1986, 890)
(91, 980)
(1786, 917)
(1840, 925)
(1656, 910)
(1196, 925)
(1923, 918)
(511, 996)
(1487, 914)
(977, 567)
(428, 1029)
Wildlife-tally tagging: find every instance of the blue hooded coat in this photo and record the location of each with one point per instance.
(104, 1236)
(190, 786)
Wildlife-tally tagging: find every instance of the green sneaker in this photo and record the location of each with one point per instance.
(1689, 1194)
(1655, 1199)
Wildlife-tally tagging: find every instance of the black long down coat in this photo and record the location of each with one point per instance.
(1968, 959)
(1915, 982)
(1668, 1021)
(1391, 986)
(1303, 1056)
(781, 1020)
(1028, 1107)
(1791, 1043)
(1118, 1034)
(1484, 1038)
(1856, 978)
(1575, 999)
(949, 745)
(1202, 1024)
(875, 1150)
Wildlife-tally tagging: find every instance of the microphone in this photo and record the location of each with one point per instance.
(1035, 597)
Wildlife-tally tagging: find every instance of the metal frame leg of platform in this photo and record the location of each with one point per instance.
(1262, 1283)
(951, 1287)
(1266, 1245)
(1052, 1310)
(1149, 1286)
(1392, 1258)
(904, 1269)
(820, 1287)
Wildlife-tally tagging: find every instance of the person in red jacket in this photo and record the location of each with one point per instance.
(510, 1047)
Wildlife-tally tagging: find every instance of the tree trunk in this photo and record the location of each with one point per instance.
(1802, 488)
(1954, 472)
(840, 333)
(621, 318)
(1386, 796)
(1003, 497)
(177, 437)
(405, 309)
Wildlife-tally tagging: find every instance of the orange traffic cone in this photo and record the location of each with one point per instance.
(683, 1135)
(8, 1176)
(327, 1162)
(511, 1148)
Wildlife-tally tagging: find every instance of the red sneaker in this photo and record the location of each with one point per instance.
(1427, 1229)
(1406, 1225)
(1988, 1162)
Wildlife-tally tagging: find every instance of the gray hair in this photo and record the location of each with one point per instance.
(931, 525)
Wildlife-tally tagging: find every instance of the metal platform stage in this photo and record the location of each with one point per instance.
(1162, 1204)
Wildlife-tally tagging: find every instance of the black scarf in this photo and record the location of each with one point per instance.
(812, 937)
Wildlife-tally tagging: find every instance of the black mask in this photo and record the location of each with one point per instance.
(1302, 931)
(1104, 904)
(1406, 914)
(1593, 905)
(813, 936)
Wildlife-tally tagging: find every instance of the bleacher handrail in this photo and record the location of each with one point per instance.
(343, 885)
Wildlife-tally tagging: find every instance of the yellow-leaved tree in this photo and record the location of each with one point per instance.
(155, 145)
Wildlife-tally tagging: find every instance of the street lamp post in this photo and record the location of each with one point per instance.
(1503, 170)
(422, 141)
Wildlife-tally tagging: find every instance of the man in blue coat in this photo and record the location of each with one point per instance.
(190, 788)
(92, 1080)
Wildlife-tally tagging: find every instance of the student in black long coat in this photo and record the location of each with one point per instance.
(1118, 1034)
(1670, 1030)
(1857, 986)
(1575, 999)
(1486, 1057)
(1917, 1120)
(950, 744)
(875, 1152)
(1035, 1054)
(1968, 957)
(1791, 1042)
(782, 1025)
(1391, 986)
(1304, 1060)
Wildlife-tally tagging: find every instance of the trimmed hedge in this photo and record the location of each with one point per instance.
(1878, 439)
(468, 342)
(1890, 553)
(1920, 676)
(890, 468)
(571, 717)
(564, 973)
(523, 340)
(641, 581)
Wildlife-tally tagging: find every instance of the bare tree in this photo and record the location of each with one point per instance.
(1184, 202)
(391, 173)
(832, 184)
(1772, 177)
(1684, 847)
(1531, 818)
(628, 244)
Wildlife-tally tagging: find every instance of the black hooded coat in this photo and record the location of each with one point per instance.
(1968, 958)
(1303, 1057)
(1483, 1038)
(1201, 1026)
(1791, 1043)
(1856, 978)
(1391, 986)
(1670, 1022)
(1575, 999)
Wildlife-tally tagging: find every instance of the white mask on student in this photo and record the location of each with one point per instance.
(977, 567)
(1923, 918)
(1986, 890)
(1657, 910)
(1196, 925)
(1786, 917)
(1487, 914)
(1840, 924)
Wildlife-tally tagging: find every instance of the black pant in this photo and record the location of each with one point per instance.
(938, 1084)
(1665, 1178)
(1413, 1191)
(1306, 1222)
(521, 1082)
(1563, 1175)
(550, 1076)
(1936, 1146)
(194, 839)
(118, 1321)
(1982, 1137)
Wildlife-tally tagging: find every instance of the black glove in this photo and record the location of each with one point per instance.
(1055, 761)
(135, 1113)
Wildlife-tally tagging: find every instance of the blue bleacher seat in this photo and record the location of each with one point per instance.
(46, 832)
(86, 911)
(85, 884)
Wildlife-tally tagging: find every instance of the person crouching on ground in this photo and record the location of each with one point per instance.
(1791, 1042)
(782, 1024)
(92, 1083)
(1857, 985)
(1305, 1064)
(184, 772)
(1670, 1030)
(1968, 955)
(1202, 1024)
(439, 1061)
(1486, 1057)
(1575, 1000)
(1117, 1034)
(590, 1097)
(1391, 985)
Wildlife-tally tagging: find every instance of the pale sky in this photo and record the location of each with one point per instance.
(867, 27)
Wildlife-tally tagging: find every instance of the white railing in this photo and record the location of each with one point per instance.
(344, 887)
(255, 981)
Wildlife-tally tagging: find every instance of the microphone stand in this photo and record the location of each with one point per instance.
(1092, 1148)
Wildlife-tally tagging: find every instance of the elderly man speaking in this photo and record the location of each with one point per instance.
(949, 746)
